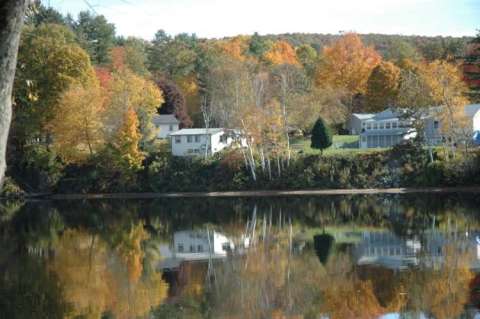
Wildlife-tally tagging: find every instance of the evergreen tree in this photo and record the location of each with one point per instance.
(321, 135)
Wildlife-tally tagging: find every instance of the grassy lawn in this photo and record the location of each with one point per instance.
(342, 144)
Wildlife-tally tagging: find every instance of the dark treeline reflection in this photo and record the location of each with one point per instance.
(409, 256)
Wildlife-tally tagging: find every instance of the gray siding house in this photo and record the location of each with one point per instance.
(166, 124)
(388, 128)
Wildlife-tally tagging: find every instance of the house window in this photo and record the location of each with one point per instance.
(178, 139)
(170, 127)
(192, 248)
(381, 126)
(436, 125)
(394, 124)
(375, 126)
(189, 139)
(197, 138)
(199, 248)
(369, 126)
(223, 139)
(180, 248)
(388, 125)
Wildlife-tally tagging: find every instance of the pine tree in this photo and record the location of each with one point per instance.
(321, 135)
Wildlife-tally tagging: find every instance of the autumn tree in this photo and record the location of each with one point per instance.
(382, 87)
(236, 47)
(347, 64)
(228, 90)
(321, 135)
(128, 93)
(11, 21)
(281, 53)
(307, 107)
(132, 55)
(127, 142)
(174, 102)
(49, 62)
(448, 90)
(77, 126)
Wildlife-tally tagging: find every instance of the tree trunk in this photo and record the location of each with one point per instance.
(12, 14)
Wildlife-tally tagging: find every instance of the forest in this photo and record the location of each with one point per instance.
(84, 98)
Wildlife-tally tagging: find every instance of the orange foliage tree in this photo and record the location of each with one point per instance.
(347, 64)
(282, 53)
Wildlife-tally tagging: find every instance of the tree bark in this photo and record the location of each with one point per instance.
(12, 15)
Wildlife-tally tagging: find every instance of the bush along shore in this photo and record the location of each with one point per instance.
(402, 166)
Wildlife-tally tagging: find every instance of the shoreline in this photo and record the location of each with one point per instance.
(259, 193)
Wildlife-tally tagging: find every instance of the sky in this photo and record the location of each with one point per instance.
(221, 18)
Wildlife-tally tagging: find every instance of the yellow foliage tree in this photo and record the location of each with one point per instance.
(129, 92)
(282, 53)
(347, 64)
(77, 126)
(448, 89)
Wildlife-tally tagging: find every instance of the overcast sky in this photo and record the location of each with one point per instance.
(219, 18)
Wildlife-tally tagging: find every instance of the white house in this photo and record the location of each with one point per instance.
(356, 121)
(384, 129)
(165, 124)
(388, 128)
(201, 141)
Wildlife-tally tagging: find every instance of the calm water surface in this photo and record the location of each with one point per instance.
(389, 256)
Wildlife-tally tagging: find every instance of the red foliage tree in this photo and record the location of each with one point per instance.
(174, 102)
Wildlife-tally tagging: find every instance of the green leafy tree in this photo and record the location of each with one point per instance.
(96, 35)
(382, 87)
(308, 57)
(258, 46)
(400, 50)
(321, 135)
(173, 57)
(41, 14)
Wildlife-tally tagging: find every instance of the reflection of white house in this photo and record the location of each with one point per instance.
(166, 124)
(195, 245)
(388, 128)
(387, 250)
(201, 141)
(390, 251)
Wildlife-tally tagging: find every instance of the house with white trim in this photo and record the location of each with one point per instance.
(388, 128)
(165, 124)
(203, 141)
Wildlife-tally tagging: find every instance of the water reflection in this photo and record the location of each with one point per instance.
(330, 257)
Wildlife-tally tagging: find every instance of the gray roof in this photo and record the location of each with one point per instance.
(164, 119)
(198, 131)
(363, 116)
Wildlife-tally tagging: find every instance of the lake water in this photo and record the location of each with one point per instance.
(388, 256)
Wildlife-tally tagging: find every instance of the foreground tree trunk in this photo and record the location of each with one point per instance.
(12, 14)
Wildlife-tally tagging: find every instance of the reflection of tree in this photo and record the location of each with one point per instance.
(97, 279)
(267, 283)
(443, 292)
(323, 246)
(27, 290)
